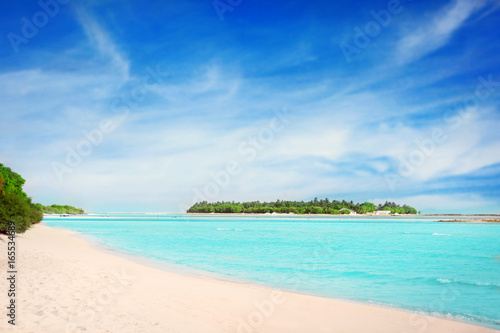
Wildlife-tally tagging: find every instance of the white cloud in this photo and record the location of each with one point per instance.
(103, 43)
(436, 32)
(341, 141)
(443, 203)
(157, 164)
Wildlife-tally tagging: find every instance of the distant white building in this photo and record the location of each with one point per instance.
(382, 212)
(351, 212)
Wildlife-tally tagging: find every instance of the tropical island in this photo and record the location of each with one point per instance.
(61, 209)
(323, 206)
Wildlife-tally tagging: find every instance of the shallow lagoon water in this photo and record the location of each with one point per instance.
(450, 269)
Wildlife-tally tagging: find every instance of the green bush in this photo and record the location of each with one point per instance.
(298, 207)
(19, 209)
(15, 205)
(61, 209)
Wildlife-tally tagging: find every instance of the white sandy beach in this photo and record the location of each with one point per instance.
(66, 285)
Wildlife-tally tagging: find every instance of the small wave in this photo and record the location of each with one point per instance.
(476, 318)
(484, 284)
(436, 234)
(227, 229)
(472, 283)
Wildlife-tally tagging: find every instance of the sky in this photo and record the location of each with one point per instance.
(150, 106)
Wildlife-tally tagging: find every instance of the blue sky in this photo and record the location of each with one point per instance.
(149, 106)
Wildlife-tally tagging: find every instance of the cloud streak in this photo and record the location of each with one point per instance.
(435, 33)
(350, 125)
(100, 39)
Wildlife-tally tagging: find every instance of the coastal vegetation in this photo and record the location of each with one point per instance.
(323, 206)
(61, 209)
(15, 205)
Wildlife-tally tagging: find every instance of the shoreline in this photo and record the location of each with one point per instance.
(476, 218)
(473, 220)
(123, 294)
(450, 217)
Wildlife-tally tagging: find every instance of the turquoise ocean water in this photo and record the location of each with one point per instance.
(450, 269)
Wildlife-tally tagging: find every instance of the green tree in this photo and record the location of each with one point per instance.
(66, 209)
(15, 205)
(298, 207)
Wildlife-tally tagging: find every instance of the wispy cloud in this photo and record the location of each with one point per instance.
(433, 34)
(454, 203)
(101, 40)
(350, 125)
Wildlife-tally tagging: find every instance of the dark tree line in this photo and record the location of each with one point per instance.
(323, 206)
